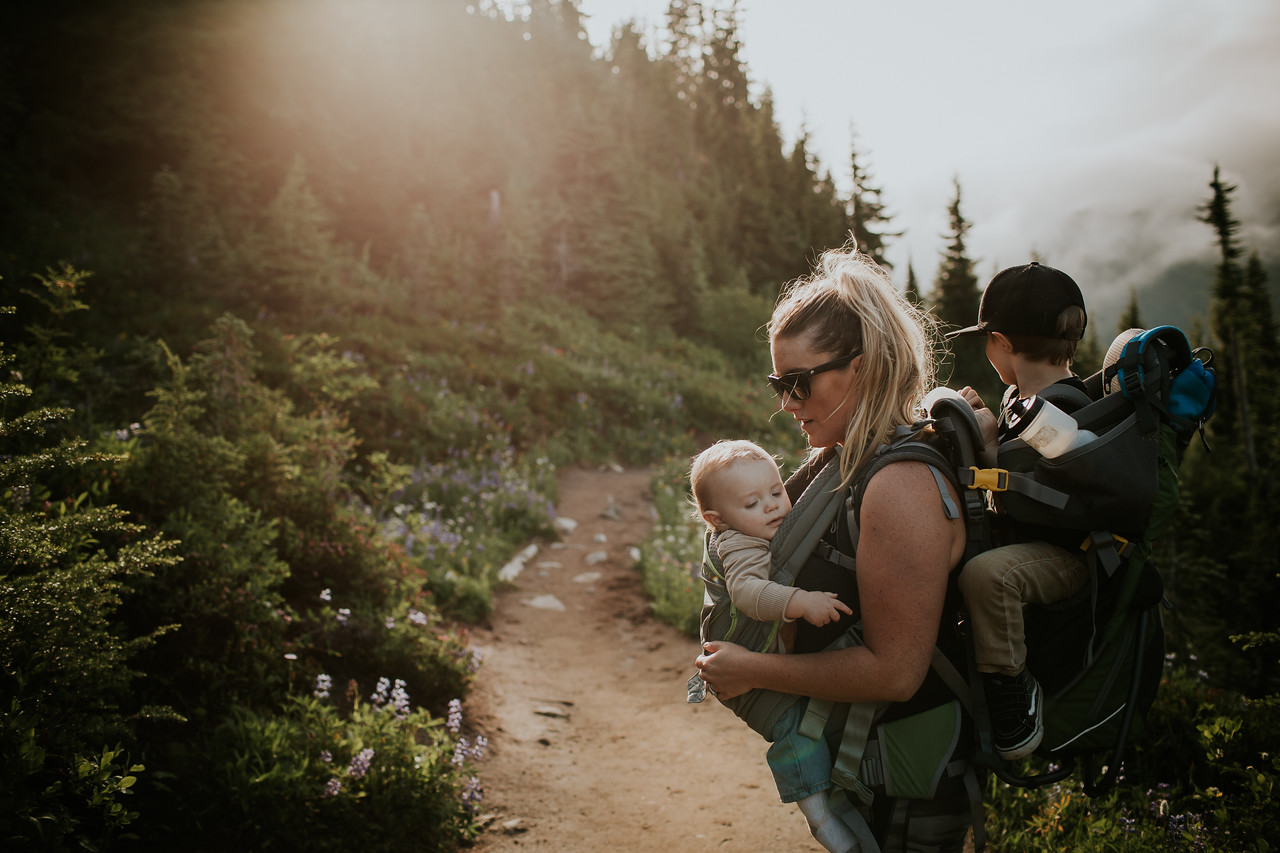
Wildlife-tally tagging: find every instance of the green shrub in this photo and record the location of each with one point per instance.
(671, 557)
(307, 777)
(65, 660)
(1204, 780)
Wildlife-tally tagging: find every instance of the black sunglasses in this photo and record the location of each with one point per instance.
(796, 383)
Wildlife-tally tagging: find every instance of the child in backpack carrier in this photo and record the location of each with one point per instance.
(739, 493)
(1033, 317)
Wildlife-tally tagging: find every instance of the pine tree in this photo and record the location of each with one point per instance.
(867, 214)
(955, 301)
(1261, 352)
(1228, 316)
(1232, 550)
(1131, 317)
(913, 287)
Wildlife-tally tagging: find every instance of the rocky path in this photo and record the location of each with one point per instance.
(591, 744)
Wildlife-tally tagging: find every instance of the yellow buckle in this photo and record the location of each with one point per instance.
(990, 479)
(1117, 541)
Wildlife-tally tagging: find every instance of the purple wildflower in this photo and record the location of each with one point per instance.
(455, 716)
(400, 700)
(472, 794)
(379, 697)
(360, 764)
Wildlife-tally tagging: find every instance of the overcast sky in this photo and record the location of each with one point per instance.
(1085, 130)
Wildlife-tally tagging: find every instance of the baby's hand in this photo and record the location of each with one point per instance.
(817, 608)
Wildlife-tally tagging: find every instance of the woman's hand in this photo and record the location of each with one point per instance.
(726, 668)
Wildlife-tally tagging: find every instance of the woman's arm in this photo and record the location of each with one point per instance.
(906, 549)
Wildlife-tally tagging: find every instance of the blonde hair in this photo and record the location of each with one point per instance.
(849, 304)
(716, 458)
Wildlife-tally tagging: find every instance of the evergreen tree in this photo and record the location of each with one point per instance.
(913, 287)
(1228, 317)
(868, 217)
(1230, 558)
(955, 301)
(1131, 317)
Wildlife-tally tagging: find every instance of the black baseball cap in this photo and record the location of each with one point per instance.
(1025, 300)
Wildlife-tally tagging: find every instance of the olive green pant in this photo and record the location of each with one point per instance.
(997, 584)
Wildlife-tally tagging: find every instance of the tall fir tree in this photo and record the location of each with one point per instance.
(913, 287)
(1231, 551)
(955, 301)
(1228, 318)
(1131, 317)
(868, 216)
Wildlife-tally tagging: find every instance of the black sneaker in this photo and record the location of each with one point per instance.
(1015, 704)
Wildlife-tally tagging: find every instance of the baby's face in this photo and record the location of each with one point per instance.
(750, 497)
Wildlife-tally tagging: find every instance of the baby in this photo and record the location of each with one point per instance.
(739, 493)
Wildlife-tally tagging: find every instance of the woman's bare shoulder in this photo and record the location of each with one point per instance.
(904, 498)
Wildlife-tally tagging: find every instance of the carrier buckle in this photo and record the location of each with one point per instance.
(990, 479)
(1115, 541)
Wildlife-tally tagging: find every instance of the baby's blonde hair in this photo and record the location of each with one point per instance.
(717, 458)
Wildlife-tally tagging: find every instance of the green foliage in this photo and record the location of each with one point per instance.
(955, 298)
(308, 776)
(1204, 780)
(65, 664)
(671, 557)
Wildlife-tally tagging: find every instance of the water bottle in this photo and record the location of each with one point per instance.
(1041, 424)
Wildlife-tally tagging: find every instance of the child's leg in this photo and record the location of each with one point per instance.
(802, 770)
(826, 826)
(997, 583)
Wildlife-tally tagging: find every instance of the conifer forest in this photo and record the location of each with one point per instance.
(301, 310)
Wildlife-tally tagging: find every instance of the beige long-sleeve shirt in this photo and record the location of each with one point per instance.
(746, 571)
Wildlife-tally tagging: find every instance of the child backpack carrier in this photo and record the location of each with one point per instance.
(1098, 655)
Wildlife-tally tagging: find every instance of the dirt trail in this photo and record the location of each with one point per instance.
(591, 743)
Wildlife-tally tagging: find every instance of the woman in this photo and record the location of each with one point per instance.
(852, 360)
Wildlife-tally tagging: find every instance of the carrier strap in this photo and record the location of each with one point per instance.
(1106, 549)
(833, 555)
(1003, 480)
(853, 741)
(853, 746)
(852, 818)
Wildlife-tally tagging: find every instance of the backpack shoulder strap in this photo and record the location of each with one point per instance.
(909, 445)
